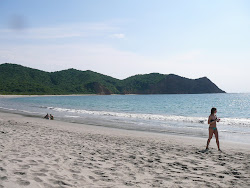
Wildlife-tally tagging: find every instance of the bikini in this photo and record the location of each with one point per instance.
(214, 128)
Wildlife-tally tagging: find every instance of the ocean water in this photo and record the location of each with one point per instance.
(168, 114)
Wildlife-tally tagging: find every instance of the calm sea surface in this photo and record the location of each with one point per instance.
(171, 114)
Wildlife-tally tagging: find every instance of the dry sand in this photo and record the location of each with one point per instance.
(43, 153)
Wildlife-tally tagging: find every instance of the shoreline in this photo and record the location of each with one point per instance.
(44, 153)
(122, 131)
(16, 96)
(96, 124)
(7, 111)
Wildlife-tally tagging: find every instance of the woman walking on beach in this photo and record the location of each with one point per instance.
(212, 120)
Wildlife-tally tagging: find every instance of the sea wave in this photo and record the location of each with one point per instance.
(11, 109)
(200, 120)
(72, 116)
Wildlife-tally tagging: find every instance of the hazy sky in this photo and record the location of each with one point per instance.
(120, 38)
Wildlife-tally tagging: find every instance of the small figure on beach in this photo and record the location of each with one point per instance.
(47, 116)
(212, 120)
(51, 117)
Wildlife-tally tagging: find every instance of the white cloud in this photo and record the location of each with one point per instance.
(118, 36)
(100, 58)
(60, 31)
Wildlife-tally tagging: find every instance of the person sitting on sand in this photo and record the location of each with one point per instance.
(51, 117)
(47, 116)
(212, 120)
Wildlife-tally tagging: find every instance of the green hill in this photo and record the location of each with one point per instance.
(17, 79)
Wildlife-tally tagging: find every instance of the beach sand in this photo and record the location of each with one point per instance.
(43, 153)
(19, 96)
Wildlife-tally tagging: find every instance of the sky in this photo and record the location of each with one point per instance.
(121, 38)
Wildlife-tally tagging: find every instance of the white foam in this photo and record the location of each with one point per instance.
(73, 116)
(25, 111)
(200, 120)
(7, 108)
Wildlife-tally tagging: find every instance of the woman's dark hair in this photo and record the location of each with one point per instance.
(213, 110)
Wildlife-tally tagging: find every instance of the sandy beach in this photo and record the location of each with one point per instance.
(35, 152)
(19, 96)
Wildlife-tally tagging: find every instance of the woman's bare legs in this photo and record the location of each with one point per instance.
(217, 139)
(211, 131)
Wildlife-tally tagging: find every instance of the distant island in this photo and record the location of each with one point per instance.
(17, 79)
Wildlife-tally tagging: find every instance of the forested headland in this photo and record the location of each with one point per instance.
(17, 79)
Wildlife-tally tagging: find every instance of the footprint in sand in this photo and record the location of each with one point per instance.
(91, 177)
(59, 182)
(208, 174)
(38, 179)
(2, 169)
(19, 173)
(100, 173)
(75, 171)
(32, 162)
(3, 178)
(16, 160)
(221, 164)
(128, 183)
(24, 167)
(39, 174)
(43, 170)
(23, 182)
(221, 177)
